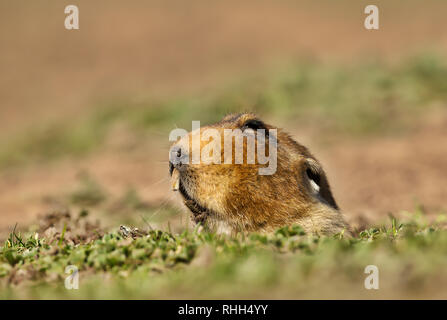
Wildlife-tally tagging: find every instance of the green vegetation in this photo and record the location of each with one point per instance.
(356, 98)
(411, 257)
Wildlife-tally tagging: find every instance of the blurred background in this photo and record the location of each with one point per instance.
(85, 114)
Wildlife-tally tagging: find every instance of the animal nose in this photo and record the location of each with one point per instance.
(178, 158)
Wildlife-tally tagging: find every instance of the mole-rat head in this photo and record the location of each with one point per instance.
(243, 174)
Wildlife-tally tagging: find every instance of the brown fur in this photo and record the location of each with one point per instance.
(229, 198)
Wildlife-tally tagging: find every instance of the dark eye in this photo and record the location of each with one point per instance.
(313, 176)
(254, 125)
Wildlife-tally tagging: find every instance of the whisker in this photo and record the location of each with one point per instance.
(162, 161)
(162, 206)
(145, 188)
(160, 133)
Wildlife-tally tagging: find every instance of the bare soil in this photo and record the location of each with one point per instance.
(167, 48)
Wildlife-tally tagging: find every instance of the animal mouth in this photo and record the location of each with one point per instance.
(199, 212)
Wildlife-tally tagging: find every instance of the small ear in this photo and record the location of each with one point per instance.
(318, 182)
